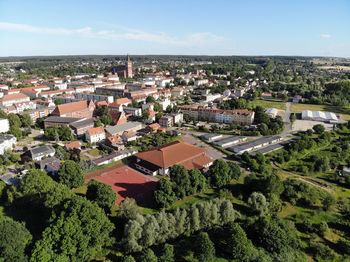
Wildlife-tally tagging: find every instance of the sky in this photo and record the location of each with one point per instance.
(178, 27)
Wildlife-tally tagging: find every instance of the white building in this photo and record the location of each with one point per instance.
(4, 125)
(6, 142)
(272, 112)
(8, 100)
(96, 134)
(319, 116)
(201, 82)
(133, 111)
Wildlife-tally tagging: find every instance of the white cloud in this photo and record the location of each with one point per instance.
(191, 40)
(325, 36)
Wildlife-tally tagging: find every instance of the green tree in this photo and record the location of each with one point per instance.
(150, 99)
(14, 130)
(164, 195)
(204, 248)
(240, 246)
(147, 255)
(181, 179)
(102, 194)
(78, 232)
(15, 238)
(128, 209)
(167, 254)
(70, 174)
(26, 120)
(129, 259)
(3, 114)
(198, 181)
(219, 173)
(258, 203)
(14, 120)
(319, 128)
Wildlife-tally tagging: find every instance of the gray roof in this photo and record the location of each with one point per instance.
(210, 136)
(41, 150)
(5, 137)
(82, 123)
(268, 149)
(253, 143)
(230, 139)
(64, 120)
(123, 127)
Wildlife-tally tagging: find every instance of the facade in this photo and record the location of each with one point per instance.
(96, 134)
(59, 121)
(4, 125)
(134, 111)
(166, 121)
(7, 142)
(37, 153)
(159, 160)
(81, 109)
(8, 100)
(118, 104)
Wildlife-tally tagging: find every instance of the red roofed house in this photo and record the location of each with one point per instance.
(159, 160)
(73, 145)
(80, 109)
(96, 134)
(118, 104)
(8, 100)
(118, 118)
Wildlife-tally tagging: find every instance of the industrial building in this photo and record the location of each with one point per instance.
(254, 144)
(319, 116)
(229, 141)
(211, 137)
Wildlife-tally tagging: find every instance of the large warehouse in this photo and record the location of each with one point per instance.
(319, 116)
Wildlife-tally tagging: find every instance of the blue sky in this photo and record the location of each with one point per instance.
(189, 27)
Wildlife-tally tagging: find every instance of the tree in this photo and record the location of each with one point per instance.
(104, 114)
(198, 181)
(128, 209)
(240, 246)
(102, 194)
(182, 184)
(147, 255)
(258, 204)
(235, 171)
(219, 173)
(158, 107)
(26, 120)
(167, 254)
(70, 174)
(204, 248)
(79, 229)
(319, 128)
(150, 99)
(58, 101)
(129, 259)
(15, 238)
(14, 120)
(3, 114)
(14, 130)
(164, 195)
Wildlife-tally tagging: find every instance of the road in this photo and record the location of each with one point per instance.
(286, 119)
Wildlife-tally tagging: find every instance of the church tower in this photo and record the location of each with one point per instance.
(128, 67)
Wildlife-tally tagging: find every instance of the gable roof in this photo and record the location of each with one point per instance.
(14, 97)
(71, 107)
(96, 131)
(171, 154)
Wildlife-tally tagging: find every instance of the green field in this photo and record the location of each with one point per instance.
(267, 103)
(343, 111)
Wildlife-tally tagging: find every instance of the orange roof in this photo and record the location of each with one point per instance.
(96, 131)
(71, 107)
(171, 154)
(119, 102)
(114, 139)
(73, 144)
(154, 126)
(13, 97)
(198, 162)
(101, 103)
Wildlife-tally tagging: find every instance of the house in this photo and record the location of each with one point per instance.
(72, 145)
(37, 153)
(266, 95)
(159, 160)
(271, 112)
(4, 125)
(8, 100)
(129, 136)
(134, 111)
(96, 134)
(7, 142)
(151, 115)
(118, 104)
(120, 129)
(80, 109)
(201, 82)
(166, 121)
(297, 99)
(115, 141)
(81, 126)
(155, 127)
(115, 156)
(118, 117)
(50, 165)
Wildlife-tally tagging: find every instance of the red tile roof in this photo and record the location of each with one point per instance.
(96, 131)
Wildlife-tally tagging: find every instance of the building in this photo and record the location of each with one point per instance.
(319, 116)
(9, 100)
(50, 165)
(80, 127)
(129, 136)
(120, 129)
(272, 112)
(229, 141)
(80, 109)
(211, 137)
(72, 145)
(118, 104)
(37, 153)
(125, 71)
(7, 142)
(4, 125)
(254, 144)
(159, 160)
(60, 121)
(134, 111)
(201, 82)
(166, 121)
(96, 134)
(115, 156)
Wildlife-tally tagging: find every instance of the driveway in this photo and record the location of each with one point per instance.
(212, 152)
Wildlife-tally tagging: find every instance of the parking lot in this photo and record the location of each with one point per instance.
(303, 125)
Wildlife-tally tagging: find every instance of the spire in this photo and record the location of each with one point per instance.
(128, 57)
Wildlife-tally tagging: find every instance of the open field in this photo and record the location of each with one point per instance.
(343, 111)
(267, 103)
(345, 68)
(126, 182)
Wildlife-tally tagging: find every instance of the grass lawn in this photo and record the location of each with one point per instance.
(343, 111)
(189, 200)
(80, 190)
(267, 103)
(94, 152)
(83, 157)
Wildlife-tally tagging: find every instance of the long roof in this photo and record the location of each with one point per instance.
(171, 154)
(71, 107)
(123, 127)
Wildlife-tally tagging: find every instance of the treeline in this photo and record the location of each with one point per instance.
(183, 183)
(144, 231)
